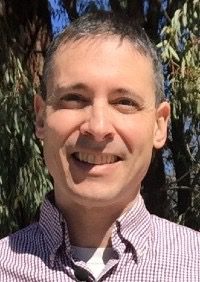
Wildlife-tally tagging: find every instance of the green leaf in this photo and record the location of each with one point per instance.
(184, 20)
(185, 8)
(173, 53)
(183, 68)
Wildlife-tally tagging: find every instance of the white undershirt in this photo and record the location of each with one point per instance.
(95, 259)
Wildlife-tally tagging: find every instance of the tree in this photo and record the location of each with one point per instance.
(180, 52)
(25, 32)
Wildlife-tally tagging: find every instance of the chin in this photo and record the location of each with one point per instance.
(96, 195)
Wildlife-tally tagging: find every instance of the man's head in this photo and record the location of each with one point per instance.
(104, 25)
(101, 118)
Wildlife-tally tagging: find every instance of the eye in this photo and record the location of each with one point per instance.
(73, 101)
(126, 105)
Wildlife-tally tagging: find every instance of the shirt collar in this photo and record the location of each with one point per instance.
(53, 226)
(134, 227)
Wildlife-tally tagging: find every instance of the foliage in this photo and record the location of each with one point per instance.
(180, 52)
(22, 178)
(175, 194)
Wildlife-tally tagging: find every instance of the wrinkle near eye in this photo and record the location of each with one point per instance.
(73, 101)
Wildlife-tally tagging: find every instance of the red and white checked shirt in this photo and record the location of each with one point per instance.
(147, 249)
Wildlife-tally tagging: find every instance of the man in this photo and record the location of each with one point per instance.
(100, 116)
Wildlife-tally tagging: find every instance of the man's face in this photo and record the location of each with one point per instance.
(100, 122)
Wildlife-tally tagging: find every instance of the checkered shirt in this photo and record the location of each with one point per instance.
(146, 249)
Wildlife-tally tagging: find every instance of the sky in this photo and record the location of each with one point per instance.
(59, 17)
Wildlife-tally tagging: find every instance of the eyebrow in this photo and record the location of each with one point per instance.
(83, 87)
(67, 88)
(130, 93)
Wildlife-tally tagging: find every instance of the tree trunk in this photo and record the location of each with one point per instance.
(29, 25)
(153, 20)
(153, 191)
(71, 8)
(25, 31)
(182, 163)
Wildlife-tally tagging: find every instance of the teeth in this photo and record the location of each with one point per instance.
(96, 158)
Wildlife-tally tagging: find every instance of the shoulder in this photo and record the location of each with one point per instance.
(21, 252)
(173, 235)
(21, 241)
(168, 226)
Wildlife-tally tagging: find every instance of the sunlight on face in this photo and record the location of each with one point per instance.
(101, 122)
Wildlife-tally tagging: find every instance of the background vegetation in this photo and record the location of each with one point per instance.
(172, 186)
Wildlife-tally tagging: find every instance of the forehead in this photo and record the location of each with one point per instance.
(99, 42)
(101, 59)
(109, 42)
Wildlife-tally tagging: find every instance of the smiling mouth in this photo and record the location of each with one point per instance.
(95, 159)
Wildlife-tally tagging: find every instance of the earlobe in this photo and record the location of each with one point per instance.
(162, 116)
(39, 107)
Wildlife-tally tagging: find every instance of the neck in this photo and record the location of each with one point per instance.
(92, 227)
(89, 227)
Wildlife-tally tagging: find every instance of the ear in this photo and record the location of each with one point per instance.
(39, 107)
(162, 118)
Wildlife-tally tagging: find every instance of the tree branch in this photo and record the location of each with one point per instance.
(70, 6)
(115, 6)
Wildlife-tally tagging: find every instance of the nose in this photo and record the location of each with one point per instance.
(98, 124)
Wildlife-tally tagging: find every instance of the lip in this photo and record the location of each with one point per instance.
(93, 169)
(95, 159)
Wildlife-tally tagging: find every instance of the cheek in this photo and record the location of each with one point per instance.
(136, 132)
(60, 125)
